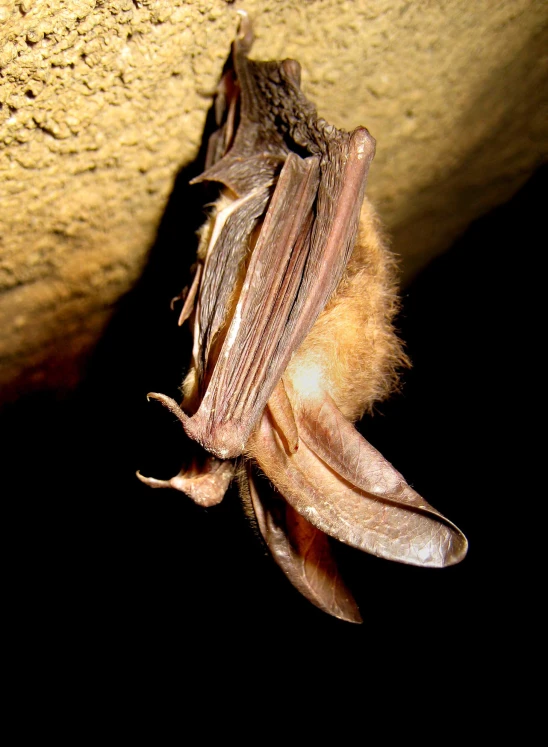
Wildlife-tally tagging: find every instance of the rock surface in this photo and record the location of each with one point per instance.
(101, 103)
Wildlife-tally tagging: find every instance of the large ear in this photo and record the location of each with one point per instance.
(343, 486)
(303, 552)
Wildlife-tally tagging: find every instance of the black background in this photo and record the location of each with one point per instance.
(105, 568)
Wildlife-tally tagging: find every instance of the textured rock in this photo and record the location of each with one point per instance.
(102, 102)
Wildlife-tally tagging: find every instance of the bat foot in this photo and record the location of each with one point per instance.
(245, 31)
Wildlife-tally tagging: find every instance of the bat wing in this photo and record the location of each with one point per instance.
(276, 253)
(344, 487)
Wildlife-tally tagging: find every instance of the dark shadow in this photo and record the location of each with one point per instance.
(459, 430)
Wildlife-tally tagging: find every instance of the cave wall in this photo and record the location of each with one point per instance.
(101, 103)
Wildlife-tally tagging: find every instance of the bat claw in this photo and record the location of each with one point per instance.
(171, 405)
(179, 297)
(152, 482)
(191, 427)
(245, 31)
(206, 484)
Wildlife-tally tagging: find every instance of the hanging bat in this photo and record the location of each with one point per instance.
(291, 309)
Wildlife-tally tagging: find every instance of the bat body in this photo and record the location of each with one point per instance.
(291, 309)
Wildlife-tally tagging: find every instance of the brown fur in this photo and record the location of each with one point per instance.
(353, 343)
(352, 351)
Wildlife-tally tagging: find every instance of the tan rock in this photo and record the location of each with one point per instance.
(101, 104)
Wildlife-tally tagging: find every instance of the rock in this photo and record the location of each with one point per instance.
(101, 105)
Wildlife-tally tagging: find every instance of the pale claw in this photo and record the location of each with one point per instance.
(205, 484)
(245, 31)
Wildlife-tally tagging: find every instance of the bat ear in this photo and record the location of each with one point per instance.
(303, 552)
(343, 486)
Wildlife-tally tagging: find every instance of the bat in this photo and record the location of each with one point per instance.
(291, 310)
